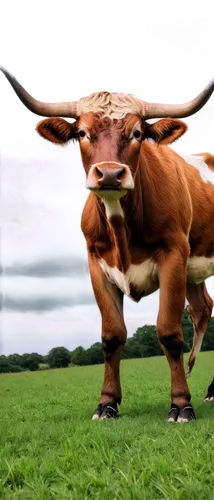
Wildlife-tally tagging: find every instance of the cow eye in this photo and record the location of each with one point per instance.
(82, 133)
(137, 134)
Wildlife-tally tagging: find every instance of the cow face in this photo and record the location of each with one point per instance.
(110, 148)
(110, 151)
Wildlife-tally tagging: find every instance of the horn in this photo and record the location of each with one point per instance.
(156, 110)
(65, 109)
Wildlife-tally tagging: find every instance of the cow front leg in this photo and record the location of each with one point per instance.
(172, 275)
(110, 301)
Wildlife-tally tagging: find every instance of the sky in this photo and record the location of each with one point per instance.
(46, 298)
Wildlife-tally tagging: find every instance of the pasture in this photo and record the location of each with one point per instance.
(50, 448)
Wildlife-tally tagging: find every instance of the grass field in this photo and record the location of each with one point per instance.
(50, 448)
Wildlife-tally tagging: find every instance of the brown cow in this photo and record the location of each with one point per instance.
(148, 223)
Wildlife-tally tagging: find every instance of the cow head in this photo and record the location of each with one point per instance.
(110, 146)
(110, 128)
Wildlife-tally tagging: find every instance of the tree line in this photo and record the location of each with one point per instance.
(142, 344)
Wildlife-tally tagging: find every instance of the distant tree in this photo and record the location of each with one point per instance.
(208, 341)
(14, 359)
(4, 364)
(58, 357)
(187, 327)
(146, 338)
(33, 364)
(95, 354)
(131, 349)
(7, 367)
(79, 356)
(38, 357)
(45, 359)
(30, 361)
(15, 368)
(144, 343)
(24, 359)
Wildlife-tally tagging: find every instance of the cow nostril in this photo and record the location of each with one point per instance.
(99, 173)
(120, 173)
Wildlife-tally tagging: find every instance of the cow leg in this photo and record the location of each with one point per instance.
(200, 310)
(110, 301)
(172, 275)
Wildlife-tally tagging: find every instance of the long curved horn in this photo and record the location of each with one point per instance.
(65, 109)
(148, 110)
(156, 110)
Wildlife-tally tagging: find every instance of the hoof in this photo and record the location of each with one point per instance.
(106, 410)
(173, 414)
(209, 399)
(181, 414)
(210, 393)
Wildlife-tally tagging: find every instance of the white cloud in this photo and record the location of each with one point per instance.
(195, 36)
(31, 332)
(19, 215)
(41, 207)
(3, 59)
(24, 160)
(199, 137)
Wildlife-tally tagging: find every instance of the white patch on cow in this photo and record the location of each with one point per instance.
(142, 276)
(206, 174)
(182, 420)
(149, 139)
(121, 165)
(199, 269)
(112, 206)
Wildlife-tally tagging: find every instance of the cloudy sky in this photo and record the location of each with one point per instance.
(46, 298)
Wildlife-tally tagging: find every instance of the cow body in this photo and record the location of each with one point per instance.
(160, 187)
(148, 223)
(172, 204)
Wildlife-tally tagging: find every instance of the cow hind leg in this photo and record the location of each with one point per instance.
(200, 310)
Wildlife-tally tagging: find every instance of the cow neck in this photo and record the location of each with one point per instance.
(120, 237)
(128, 230)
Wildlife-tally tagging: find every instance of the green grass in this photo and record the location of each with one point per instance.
(50, 448)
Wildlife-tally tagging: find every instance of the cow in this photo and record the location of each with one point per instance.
(148, 223)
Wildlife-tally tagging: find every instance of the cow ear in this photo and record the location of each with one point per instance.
(165, 131)
(57, 130)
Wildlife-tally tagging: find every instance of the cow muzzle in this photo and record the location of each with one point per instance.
(109, 176)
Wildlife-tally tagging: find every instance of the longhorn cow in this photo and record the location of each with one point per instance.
(148, 223)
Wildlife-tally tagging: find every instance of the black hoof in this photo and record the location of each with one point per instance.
(106, 410)
(173, 413)
(181, 414)
(210, 393)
